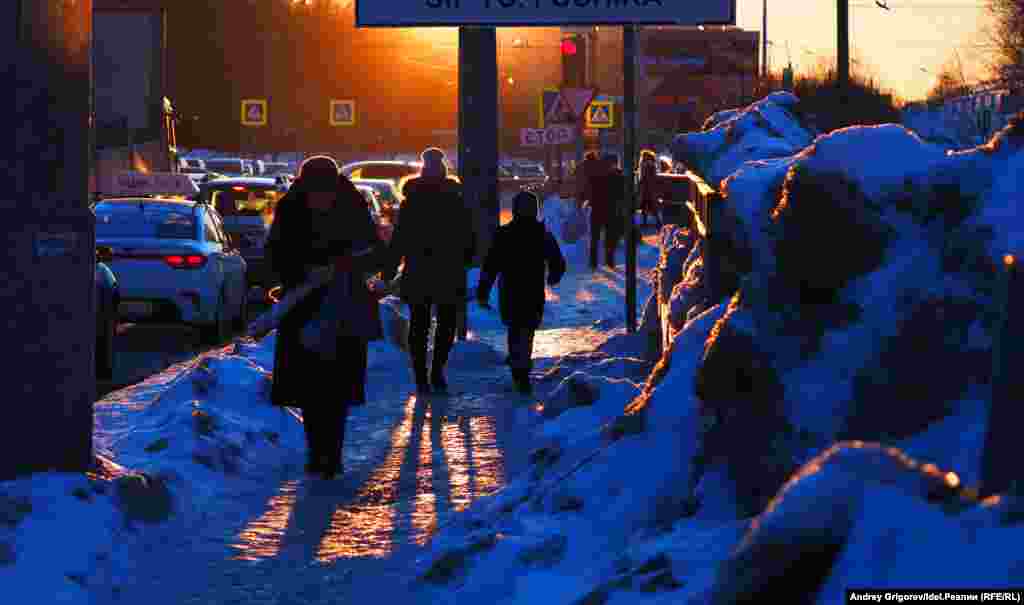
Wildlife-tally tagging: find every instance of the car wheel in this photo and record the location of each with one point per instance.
(105, 350)
(219, 331)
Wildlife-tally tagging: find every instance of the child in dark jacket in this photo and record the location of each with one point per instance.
(517, 259)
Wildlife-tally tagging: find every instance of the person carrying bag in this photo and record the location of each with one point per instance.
(322, 242)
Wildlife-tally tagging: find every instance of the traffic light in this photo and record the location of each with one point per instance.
(574, 61)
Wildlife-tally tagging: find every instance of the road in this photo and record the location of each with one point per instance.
(141, 350)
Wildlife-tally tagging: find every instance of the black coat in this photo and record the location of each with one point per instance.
(435, 236)
(302, 378)
(519, 255)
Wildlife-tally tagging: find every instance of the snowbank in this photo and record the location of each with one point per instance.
(865, 318)
(769, 128)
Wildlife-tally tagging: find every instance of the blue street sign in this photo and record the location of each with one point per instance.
(411, 13)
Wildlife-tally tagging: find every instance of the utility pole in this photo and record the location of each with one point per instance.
(843, 46)
(764, 39)
(628, 165)
(49, 261)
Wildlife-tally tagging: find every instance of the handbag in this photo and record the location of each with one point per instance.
(348, 310)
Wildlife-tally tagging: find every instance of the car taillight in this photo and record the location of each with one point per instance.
(191, 261)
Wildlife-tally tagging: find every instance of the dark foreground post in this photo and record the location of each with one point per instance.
(478, 136)
(629, 167)
(1000, 464)
(48, 263)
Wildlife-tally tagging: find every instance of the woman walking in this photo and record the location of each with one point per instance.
(436, 238)
(319, 226)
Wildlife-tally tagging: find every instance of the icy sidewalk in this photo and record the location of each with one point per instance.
(411, 464)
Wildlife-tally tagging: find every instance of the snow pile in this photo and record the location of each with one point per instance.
(751, 462)
(57, 536)
(769, 128)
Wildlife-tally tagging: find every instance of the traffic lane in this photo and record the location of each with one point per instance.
(141, 350)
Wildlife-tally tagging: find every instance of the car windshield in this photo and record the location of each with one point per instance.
(239, 200)
(530, 170)
(145, 220)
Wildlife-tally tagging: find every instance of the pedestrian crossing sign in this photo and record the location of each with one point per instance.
(343, 112)
(601, 114)
(254, 112)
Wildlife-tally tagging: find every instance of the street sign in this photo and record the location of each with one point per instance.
(546, 101)
(578, 99)
(254, 112)
(559, 135)
(407, 13)
(601, 114)
(552, 135)
(531, 137)
(343, 112)
(560, 113)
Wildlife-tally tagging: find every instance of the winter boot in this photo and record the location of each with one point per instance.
(419, 366)
(522, 380)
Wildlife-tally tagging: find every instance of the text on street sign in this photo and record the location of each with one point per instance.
(377, 13)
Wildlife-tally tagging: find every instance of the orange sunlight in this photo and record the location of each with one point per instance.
(261, 539)
(364, 528)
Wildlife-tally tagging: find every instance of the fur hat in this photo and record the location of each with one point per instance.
(433, 163)
(526, 203)
(318, 173)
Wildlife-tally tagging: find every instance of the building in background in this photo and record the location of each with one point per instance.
(690, 73)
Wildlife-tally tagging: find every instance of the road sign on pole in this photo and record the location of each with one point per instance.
(343, 112)
(561, 112)
(601, 114)
(552, 135)
(546, 101)
(578, 99)
(254, 112)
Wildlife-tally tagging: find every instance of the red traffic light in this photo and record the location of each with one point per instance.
(568, 46)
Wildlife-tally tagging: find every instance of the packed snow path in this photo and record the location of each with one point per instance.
(411, 462)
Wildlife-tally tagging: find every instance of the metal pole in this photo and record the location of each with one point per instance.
(764, 39)
(628, 166)
(843, 45)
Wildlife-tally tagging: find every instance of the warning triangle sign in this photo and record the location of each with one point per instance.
(578, 99)
(599, 116)
(561, 112)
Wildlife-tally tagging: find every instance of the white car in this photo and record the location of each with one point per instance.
(174, 264)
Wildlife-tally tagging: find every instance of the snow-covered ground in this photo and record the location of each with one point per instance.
(820, 428)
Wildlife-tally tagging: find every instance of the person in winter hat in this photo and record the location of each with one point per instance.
(321, 225)
(435, 237)
(522, 252)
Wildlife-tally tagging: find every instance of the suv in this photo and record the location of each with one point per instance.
(247, 208)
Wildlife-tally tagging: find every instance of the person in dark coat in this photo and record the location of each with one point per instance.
(606, 209)
(320, 225)
(591, 164)
(518, 257)
(650, 202)
(435, 236)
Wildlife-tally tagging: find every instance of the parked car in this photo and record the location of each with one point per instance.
(390, 196)
(232, 167)
(247, 207)
(174, 263)
(276, 168)
(108, 297)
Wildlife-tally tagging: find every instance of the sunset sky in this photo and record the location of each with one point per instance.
(893, 44)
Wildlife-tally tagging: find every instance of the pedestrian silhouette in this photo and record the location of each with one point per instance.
(435, 237)
(522, 250)
(318, 225)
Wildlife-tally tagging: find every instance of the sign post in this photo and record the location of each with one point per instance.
(628, 166)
